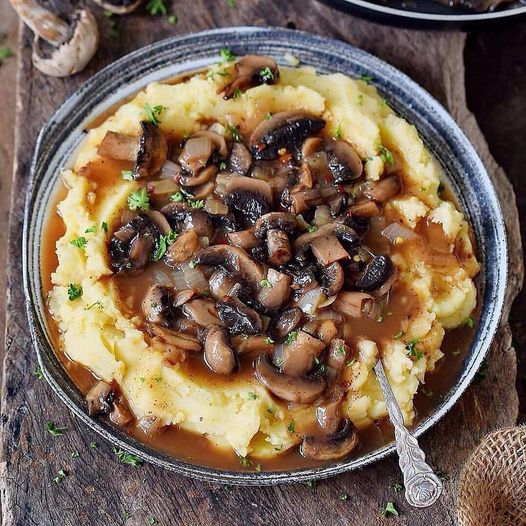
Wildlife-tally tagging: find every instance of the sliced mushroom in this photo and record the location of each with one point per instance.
(300, 390)
(336, 358)
(384, 189)
(332, 278)
(283, 131)
(334, 446)
(183, 248)
(196, 152)
(182, 297)
(297, 357)
(251, 344)
(119, 146)
(121, 414)
(119, 7)
(175, 338)
(344, 163)
(158, 306)
(328, 412)
(311, 146)
(152, 152)
(202, 311)
(244, 239)
(323, 329)
(248, 198)
(202, 177)
(186, 219)
(275, 221)
(344, 233)
(240, 159)
(327, 249)
(239, 318)
(278, 247)
(218, 141)
(277, 293)
(378, 272)
(301, 201)
(285, 323)
(356, 304)
(250, 71)
(221, 282)
(100, 398)
(219, 355)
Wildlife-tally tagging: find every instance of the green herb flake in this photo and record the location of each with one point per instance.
(257, 467)
(162, 245)
(312, 229)
(237, 93)
(265, 283)
(177, 197)
(366, 78)
(138, 199)
(469, 322)
(97, 304)
(38, 373)
(426, 392)
(389, 509)
(271, 410)
(127, 458)
(222, 165)
(234, 132)
(386, 155)
(360, 99)
(79, 242)
(455, 353)
(380, 319)
(192, 263)
(245, 462)
(341, 350)
(55, 431)
(156, 7)
(93, 445)
(398, 335)
(410, 347)
(75, 454)
(291, 337)
(396, 487)
(74, 291)
(5, 53)
(91, 229)
(154, 113)
(197, 204)
(350, 363)
(344, 496)
(172, 19)
(291, 428)
(226, 55)
(152, 520)
(127, 175)
(231, 3)
(252, 395)
(268, 340)
(310, 484)
(337, 133)
(268, 116)
(104, 226)
(61, 475)
(266, 74)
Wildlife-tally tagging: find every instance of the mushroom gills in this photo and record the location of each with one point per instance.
(237, 317)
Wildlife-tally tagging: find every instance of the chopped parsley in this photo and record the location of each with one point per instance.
(104, 226)
(172, 19)
(226, 55)
(156, 7)
(74, 291)
(268, 340)
(61, 475)
(426, 392)
(127, 175)
(152, 520)
(234, 131)
(38, 373)
(266, 75)
(252, 395)
(79, 242)
(192, 263)
(291, 337)
(389, 509)
(231, 3)
(177, 197)
(55, 431)
(265, 283)
(183, 195)
(455, 353)
(75, 454)
(128, 458)
(197, 204)
(93, 445)
(312, 229)
(396, 487)
(366, 77)
(337, 133)
(245, 462)
(5, 53)
(91, 229)
(344, 497)
(410, 347)
(317, 361)
(469, 322)
(268, 116)
(310, 484)
(139, 199)
(341, 350)
(350, 363)
(97, 304)
(291, 428)
(154, 113)
(386, 155)
(222, 165)
(237, 93)
(162, 245)
(360, 99)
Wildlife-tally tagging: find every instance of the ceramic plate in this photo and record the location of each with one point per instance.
(168, 58)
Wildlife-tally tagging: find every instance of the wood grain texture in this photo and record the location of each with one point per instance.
(100, 491)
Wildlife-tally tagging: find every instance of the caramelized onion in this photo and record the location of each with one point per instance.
(397, 233)
(310, 301)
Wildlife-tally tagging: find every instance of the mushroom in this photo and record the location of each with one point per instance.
(243, 344)
(323, 329)
(131, 245)
(183, 248)
(244, 239)
(328, 411)
(248, 198)
(119, 7)
(240, 158)
(239, 318)
(202, 311)
(221, 282)
(70, 46)
(202, 177)
(378, 275)
(185, 219)
(384, 189)
(232, 259)
(344, 163)
(121, 414)
(327, 249)
(278, 247)
(275, 220)
(250, 71)
(100, 398)
(356, 304)
(285, 323)
(332, 278)
(333, 446)
(276, 290)
(300, 390)
(344, 233)
(158, 307)
(219, 355)
(335, 360)
(300, 201)
(297, 357)
(283, 131)
(175, 338)
(182, 297)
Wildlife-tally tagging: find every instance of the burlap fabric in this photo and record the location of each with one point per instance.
(492, 487)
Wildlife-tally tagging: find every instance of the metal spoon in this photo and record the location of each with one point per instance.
(422, 486)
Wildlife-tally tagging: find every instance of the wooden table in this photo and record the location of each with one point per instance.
(97, 489)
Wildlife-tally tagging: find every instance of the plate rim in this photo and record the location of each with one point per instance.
(211, 474)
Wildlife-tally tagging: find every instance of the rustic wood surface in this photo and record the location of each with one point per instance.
(97, 489)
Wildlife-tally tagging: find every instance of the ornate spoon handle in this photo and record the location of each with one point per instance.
(422, 486)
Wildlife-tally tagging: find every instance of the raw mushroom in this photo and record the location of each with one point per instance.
(250, 71)
(334, 446)
(219, 355)
(283, 131)
(119, 7)
(69, 46)
(300, 390)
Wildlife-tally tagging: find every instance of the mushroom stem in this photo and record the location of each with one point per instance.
(42, 22)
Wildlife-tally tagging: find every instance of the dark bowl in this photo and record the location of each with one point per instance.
(464, 171)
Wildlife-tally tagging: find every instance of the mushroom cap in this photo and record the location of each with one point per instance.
(74, 54)
(219, 355)
(119, 7)
(334, 446)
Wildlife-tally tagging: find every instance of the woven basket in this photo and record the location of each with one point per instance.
(492, 487)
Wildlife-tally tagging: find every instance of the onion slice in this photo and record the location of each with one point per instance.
(397, 234)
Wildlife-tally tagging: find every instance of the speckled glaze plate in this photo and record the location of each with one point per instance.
(464, 171)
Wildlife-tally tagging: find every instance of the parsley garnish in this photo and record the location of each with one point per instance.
(266, 75)
(74, 291)
(410, 347)
(91, 229)
(227, 55)
(234, 131)
(127, 175)
(389, 509)
(104, 226)
(396, 487)
(5, 53)
(38, 373)
(94, 304)
(268, 116)
(162, 245)
(469, 322)
(192, 263)
(61, 475)
(426, 392)
(177, 197)
(291, 428)
(455, 353)
(344, 496)
(156, 7)
(366, 78)
(312, 229)
(268, 340)
(350, 363)
(237, 93)
(154, 113)
(360, 99)
(183, 195)
(337, 133)
(310, 484)
(139, 199)
(128, 458)
(153, 520)
(79, 242)
(231, 3)
(252, 395)
(75, 454)
(93, 445)
(341, 350)
(245, 462)
(386, 155)
(291, 337)
(197, 204)
(222, 165)
(172, 19)
(54, 430)
(265, 283)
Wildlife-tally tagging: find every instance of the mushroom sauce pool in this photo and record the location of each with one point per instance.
(232, 253)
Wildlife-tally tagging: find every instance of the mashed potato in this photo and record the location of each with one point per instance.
(241, 414)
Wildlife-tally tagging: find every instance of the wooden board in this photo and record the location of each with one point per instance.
(100, 491)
